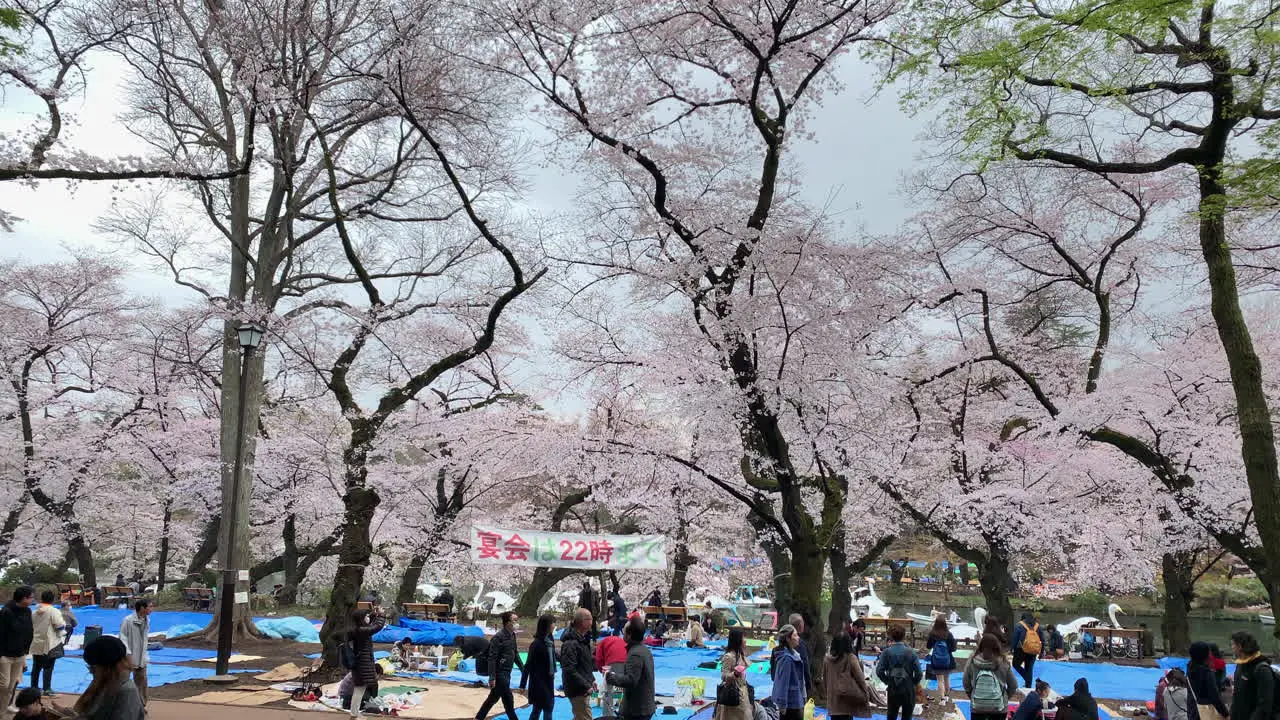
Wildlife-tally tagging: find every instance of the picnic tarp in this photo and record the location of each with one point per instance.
(425, 632)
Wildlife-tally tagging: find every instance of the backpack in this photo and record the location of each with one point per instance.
(482, 662)
(347, 656)
(988, 693)
(1031, 641)
(900, 677)
(940, 658)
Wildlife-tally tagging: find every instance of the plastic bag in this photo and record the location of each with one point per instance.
(808, 710)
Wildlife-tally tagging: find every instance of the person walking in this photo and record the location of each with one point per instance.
(636, 678)
(364, 672)
(1026, 646)
(609, 651)
(539, 676)
(900, 671)
(134, 630)
(848, 694)
(1204, 684)
(111, 694)
(989, 681)
(733, 669)
(789, 690)
(796, 621)
(46, 643)
(16, 633)
(502, 657)
(942, 656)
(576, 664)
(1254, 682)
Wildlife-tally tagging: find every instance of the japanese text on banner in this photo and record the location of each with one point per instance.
(499, 546)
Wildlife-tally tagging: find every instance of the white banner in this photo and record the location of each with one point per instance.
(584, 551)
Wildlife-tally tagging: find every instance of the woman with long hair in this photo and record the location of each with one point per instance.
(848, 694)
(733, 669)
(942, 656)
(989, 681)
(540, 670)
(364, 625)
(1204, 683)
(111, 694)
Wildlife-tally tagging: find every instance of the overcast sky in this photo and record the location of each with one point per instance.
(864, 145)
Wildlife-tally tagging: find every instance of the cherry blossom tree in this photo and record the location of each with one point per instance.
(688, 114)
(1079, 86)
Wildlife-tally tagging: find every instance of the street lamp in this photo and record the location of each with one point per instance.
(250, 337)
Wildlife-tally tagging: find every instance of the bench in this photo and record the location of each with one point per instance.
(199, 598)
(428, 611)
(878, 628)
(676, 615)
(116, 594)
(74, 595)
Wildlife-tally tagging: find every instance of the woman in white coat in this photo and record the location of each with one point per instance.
(46, 641)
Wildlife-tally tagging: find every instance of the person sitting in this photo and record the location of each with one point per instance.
(444, 598)
(347, 689)
(471, 646)
(1033, 704)
(654, 599)
(695, 635)
(1079, 705)
(401, 652)
(31, 705)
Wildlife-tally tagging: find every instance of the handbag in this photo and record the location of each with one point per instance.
(57, 651)
(729, 694)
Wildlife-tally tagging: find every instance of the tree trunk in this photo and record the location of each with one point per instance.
(681, 561)
(808, 563)
(409, 580)
(9, 530)
(544, 581)
(1178, 571)
(1257, 436)
(841, 594)
(897, 570)
(206, 549)
(83, 554)
(965, 575)
(353, 556)
(995, 579)
(162, 572)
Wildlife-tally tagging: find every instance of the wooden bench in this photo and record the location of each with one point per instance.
(676, 615)
(199, 598)
(428, 611)
(878, 628)
(74, 594)
(116, 594)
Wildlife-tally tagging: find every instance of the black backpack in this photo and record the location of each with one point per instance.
(482, 663)
(347, 656)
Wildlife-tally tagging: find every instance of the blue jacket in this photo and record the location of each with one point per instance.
(789, 691)
(1030, 707)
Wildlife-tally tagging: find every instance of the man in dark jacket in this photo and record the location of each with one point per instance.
(1254, 683)
(15, 643)
(502, 656)
(636, 678)
(1079, 705)
(587, 599)
(617, 612)
(577, 663)
(473, 646)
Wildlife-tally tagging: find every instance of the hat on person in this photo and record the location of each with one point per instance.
(106, 651)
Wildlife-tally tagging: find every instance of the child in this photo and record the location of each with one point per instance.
(347, 689)
(31, 705)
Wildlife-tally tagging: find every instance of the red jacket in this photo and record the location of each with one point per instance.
(610, 650)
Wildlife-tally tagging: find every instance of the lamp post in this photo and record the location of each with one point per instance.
(250, 337)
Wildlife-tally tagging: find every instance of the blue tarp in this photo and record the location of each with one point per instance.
(1106, 680)
(425, 632)
(110, 618)
(963, 707)
(289, 628)
(1168, 663)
